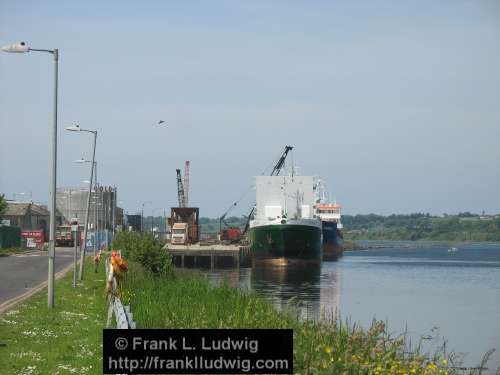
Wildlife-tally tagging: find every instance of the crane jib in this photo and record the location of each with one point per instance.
(180, 189)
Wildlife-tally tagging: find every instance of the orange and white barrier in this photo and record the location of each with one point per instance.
(115, 269)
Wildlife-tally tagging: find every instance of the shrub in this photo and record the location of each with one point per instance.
(144, 249)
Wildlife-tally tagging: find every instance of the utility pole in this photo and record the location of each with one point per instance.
(114, 211)
(74, 229)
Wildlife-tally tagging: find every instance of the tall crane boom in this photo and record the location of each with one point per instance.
(180, 190)
(186, 184)
(277, 168)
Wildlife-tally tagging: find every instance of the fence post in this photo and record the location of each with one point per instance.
(124, 318)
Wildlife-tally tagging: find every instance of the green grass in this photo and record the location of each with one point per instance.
(67, 339)
(10, 250)
(185, 300)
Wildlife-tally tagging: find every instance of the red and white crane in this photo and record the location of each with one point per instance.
(186, 184)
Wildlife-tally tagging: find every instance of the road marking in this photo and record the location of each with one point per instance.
(26, 255)
(41, 254)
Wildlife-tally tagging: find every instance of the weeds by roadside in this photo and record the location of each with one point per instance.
(11, 250)
(67, 339)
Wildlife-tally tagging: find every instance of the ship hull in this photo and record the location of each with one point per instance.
(333, 243)
(285, 244)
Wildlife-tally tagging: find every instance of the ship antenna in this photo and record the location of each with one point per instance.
(284, 213)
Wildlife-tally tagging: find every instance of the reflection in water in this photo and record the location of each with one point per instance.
(303, 290)
(293, 288)
(410, 287)
(329, 296)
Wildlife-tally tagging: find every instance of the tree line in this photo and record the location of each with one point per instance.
(422, 226)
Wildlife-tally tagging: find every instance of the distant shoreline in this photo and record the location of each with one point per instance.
(354, 245)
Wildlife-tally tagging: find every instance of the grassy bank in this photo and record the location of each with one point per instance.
(64, 340)
(10, 250)
(185, 300)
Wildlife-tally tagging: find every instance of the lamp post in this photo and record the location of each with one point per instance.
(22, 47)
(94, 200)
(94, 203)
(153, 218)
(142, 215)
(114, 213)
(96, 217)
(76, 128)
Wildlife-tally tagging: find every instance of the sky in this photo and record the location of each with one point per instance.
(395, 104)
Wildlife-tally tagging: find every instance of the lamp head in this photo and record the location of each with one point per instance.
(82, 160)
(73, 128)
(20, 47)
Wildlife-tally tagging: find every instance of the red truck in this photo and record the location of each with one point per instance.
(64, 236)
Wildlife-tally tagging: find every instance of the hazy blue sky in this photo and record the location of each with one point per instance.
(395, 104)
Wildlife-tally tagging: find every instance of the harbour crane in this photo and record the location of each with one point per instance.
(232, 234)
(186, 184)
(184, 220)
(180, 190)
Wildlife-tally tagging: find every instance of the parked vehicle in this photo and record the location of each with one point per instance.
(179, 234)
(231, 235)
(64, 236)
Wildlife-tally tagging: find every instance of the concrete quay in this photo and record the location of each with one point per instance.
(209, 256)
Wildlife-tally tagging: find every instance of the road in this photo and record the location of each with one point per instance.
(21, 272)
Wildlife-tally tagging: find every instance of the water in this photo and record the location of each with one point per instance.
(421, 287)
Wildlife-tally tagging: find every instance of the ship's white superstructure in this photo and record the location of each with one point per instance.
(324, 210)
(285, 200)
(330, 212)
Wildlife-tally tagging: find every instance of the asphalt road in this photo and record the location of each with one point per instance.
(21, 272)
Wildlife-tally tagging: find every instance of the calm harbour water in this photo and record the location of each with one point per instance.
(420, 287)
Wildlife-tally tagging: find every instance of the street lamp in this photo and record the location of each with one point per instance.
(95, 200)
(153, 218)
(142, 214)
(76, 128)
(22, 47)
(113, 207)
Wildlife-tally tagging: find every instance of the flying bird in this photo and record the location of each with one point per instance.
(161, 122)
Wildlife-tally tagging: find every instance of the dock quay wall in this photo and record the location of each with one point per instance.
(211, 256)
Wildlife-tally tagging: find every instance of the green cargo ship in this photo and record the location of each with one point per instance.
(290, 241)
(285, 229)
